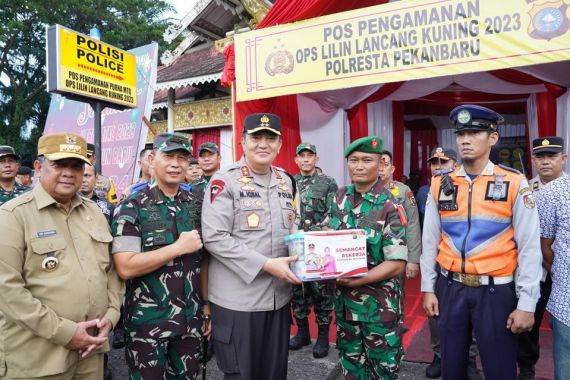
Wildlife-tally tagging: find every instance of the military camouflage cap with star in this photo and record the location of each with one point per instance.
(306, 146)
(169, 142)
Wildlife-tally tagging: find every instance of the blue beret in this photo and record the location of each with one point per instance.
(470, 117)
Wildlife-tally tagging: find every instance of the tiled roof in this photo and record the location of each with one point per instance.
(198, 63)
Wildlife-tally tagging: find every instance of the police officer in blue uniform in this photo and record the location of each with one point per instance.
(481, 225)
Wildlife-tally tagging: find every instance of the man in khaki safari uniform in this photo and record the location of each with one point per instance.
(59, 293)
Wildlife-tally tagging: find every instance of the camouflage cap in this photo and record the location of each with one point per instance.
(57, 146)
(370, 144)
(7, 150)
(210, 147)
(306, 146)
(257, 122)
(169, 142)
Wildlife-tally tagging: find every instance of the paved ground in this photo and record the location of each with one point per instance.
(302, 366)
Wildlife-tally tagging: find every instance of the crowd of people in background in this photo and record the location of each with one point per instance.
(202, 255)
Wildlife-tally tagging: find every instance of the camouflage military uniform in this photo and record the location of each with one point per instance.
(199, 185)
(316, 195)
(17, 189)
(369, 318)
(162, 308)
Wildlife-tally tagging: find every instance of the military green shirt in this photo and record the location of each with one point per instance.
(316, 194)
(17, 189)
(376, 213)
(166, 302)
(199, 185)
(405, 197)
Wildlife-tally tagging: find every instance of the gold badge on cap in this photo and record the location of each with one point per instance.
(253, 220)
(50, 263)
(71, 139)
(264, 121)
(545, 142)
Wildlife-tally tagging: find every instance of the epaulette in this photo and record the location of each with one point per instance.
(507, 168)
(18, 201)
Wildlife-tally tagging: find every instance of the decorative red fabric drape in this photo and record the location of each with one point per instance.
(358, 115)
(546, 114)
(545, 101)
(422, 142)
(282, 12)
(201, 136)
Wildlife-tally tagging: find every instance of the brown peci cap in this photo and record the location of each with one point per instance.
(57, 146)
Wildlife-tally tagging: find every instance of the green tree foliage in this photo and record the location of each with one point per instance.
(24, 101)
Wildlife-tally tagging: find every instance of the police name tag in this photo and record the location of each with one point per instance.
(327, 255)
(43, 234)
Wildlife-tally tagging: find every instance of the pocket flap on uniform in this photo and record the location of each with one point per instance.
(221, 333)
(100, 235)
(41, 246)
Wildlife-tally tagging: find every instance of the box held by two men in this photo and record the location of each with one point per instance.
(326, 255)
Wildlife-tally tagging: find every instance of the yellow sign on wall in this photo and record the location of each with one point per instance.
(86, 67)
(400, 41)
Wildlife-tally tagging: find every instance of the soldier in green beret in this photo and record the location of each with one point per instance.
(316, 195)
(157, 247)
(368, 309)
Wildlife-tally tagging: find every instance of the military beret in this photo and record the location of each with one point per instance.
(548, 144)
(210, 147)
(306, 146)
(57, 146)
(6, 150)
(257, 122)
(169, 142)
(370, 144)
(474, 118)
(442, 154)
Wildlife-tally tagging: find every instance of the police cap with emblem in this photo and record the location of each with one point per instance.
(169, 142)
(475, 118)
(370, 144)
(57, 146)
(306, 146)
(257, 122)
(210, 147)
(442, 154)
(548, 144)
(6, 150)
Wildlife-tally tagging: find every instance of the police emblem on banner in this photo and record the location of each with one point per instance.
(279, 62)
(548, 20)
